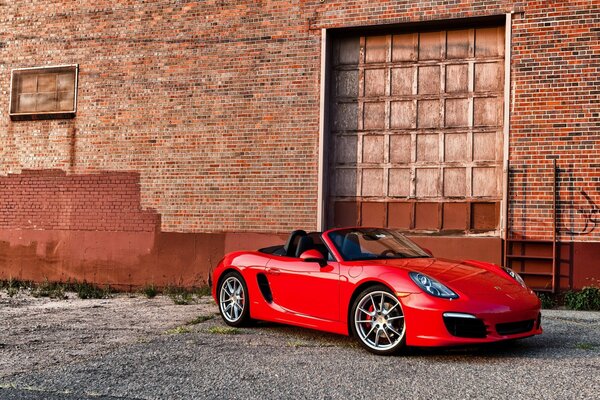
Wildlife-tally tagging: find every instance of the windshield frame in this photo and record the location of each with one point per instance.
(329, 237)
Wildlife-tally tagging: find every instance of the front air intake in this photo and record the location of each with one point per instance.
(465, 325)
(514, 328)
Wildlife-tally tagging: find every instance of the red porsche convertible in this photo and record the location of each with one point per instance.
(377, 285)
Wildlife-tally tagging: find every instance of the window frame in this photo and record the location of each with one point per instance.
(38, 115)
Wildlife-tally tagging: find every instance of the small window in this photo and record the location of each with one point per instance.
(44, 93)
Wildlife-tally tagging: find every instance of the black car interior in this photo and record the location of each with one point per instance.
(305, 243)
(292, 242)
(351, 247)
(298, 242)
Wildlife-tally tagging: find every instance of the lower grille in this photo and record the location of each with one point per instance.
(465, 327)
(513, 328)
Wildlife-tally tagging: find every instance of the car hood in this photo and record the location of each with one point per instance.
(470, 277)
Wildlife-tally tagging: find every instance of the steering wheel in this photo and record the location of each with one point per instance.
(388, 251)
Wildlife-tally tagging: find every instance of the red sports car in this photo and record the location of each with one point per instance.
(377, 285)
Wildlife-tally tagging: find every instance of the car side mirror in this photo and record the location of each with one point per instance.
(313, 256)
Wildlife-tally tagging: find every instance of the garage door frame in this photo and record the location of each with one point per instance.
(325, 84)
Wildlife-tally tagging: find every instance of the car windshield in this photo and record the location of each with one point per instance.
(374, 244)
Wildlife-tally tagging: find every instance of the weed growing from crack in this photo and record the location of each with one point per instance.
(224, 330)
(178, 331)
(200, 319)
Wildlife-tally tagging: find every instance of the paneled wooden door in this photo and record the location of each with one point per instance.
(417, 130)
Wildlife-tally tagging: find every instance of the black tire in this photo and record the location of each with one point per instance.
(385, 324)
(229, 308)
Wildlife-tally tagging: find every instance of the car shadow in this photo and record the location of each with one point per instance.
(530, 347)
(508, 348)
(320, 338)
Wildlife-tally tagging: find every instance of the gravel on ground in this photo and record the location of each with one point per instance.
(137, 348)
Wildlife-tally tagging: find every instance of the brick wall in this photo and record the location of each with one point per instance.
(52, 200)
(216, 103)
(556, 114)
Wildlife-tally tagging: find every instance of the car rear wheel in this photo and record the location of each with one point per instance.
(377, 321)
(233, 300)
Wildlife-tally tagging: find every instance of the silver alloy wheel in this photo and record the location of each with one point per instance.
(232, 299)
(379, 320)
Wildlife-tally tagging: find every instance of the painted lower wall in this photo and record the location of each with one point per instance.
(128, 260)
(585, 265)
(120, 259)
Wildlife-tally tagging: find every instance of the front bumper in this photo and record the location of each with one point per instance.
(467, 322)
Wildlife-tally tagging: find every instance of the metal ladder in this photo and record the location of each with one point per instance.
(538, 261)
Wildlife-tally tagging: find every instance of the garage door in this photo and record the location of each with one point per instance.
(416, 130)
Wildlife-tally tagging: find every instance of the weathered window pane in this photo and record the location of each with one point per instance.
(47, 91)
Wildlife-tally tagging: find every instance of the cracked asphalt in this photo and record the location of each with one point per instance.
(137, 348)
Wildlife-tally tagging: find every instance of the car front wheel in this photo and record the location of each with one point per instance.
(233, 300)
(377, 321)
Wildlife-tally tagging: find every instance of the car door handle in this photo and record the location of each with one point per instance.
(273, 271)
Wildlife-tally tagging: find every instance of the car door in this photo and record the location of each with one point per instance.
(305, 287)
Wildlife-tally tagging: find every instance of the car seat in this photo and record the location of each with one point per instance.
(292, 242)
(305, 243)
(350, 247)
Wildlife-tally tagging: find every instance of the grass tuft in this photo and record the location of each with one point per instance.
(203, 291)
(179, 295)
(14, 286)
(57, 290)
(184, 296)
(224, 330)
(150, 291)
(178, 331)
(200, 319)
(53, 290)
(87, 290)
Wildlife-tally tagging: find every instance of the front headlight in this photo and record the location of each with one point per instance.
(515, 276)
(431, 286)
